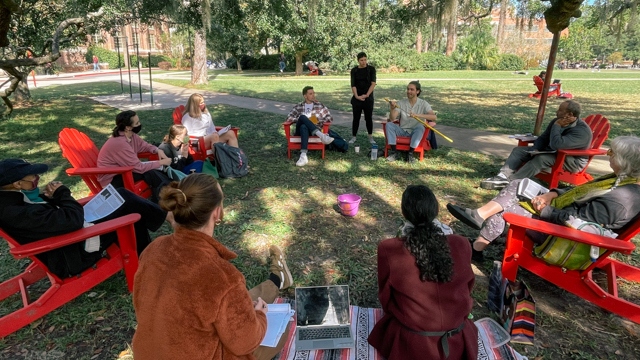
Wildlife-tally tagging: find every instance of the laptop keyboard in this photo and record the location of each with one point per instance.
(317, 334)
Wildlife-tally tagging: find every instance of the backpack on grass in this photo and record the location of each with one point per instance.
(338, 143)
(230, 161)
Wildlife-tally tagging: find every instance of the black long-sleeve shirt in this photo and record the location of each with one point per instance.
(178, 161)
(576, 136)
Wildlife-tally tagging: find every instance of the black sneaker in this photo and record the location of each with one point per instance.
(410, 158)
(477, 256)
(467, 216)
(494, 183)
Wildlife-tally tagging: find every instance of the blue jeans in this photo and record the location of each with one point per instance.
(282, 65)
(304, 129)
(96, 67)
(393, 130)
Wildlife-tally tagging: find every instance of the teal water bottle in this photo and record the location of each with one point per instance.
(374, 152)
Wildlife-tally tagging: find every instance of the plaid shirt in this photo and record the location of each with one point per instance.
(319, 110)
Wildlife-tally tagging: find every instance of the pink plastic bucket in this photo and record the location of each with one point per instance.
(349, 204)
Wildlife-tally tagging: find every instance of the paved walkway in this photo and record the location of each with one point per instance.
(169, 97)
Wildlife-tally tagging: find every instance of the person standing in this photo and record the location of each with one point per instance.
(363, 81)
(96, 67)
(282, 63)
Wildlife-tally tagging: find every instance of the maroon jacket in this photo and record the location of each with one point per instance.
(423, 306)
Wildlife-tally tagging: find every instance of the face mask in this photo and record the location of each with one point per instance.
(137, 129)
(34, 183)
(33, 195)
(185, 140)
(202, 107)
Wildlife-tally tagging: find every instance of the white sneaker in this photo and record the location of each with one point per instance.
(303, 160)
(373, 142)
(326, 139)
(353, 140)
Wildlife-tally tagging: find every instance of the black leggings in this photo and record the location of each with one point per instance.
(358, 106)
(156, 180)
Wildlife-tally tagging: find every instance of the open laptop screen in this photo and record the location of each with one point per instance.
(322, 305)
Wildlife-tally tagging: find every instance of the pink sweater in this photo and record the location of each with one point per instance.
(117, 151)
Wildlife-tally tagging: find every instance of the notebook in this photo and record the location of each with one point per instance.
(323, 318)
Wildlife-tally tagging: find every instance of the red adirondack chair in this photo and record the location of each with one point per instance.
(403, 142)
(82, 153)
(539, 83)
(579, 282)
(600, 127)
(61, 291)
(294, 142)
(198, 152)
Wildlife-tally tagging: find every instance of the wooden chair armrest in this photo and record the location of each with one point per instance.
(99, 170)
(590, 152)
(625, 247)
(57, 242)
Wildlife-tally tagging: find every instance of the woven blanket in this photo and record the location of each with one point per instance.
(362, 322)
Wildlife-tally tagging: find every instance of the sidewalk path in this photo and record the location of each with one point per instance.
(169, 97)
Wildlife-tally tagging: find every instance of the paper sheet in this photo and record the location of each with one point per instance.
(103, 204)
(278, 316)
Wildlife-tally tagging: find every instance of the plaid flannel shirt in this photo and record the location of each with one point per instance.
(319, 110)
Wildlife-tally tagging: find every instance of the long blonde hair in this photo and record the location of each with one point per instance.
(193, 106)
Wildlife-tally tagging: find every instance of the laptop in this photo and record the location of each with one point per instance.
(323, 318)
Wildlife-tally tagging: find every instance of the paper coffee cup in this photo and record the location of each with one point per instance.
(357, 149)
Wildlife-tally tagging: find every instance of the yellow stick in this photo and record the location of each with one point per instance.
(422, 122)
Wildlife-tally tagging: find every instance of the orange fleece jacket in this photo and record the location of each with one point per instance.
(192, 303)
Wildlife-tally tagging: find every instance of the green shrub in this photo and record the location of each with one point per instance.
(231, 62)
(436, 61)
(509, 62)
(155, 59)
(104, 56)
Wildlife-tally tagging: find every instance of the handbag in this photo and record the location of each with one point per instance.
(569, 254)
(209, 168)
(518, 314)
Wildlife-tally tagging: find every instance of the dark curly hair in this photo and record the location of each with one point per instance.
(426, 242)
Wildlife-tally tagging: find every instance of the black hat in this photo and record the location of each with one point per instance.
(12, 170)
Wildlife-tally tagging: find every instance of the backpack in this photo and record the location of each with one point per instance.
(338, 143)
(230, 161)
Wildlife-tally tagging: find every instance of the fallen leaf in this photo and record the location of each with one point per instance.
(95, 356)
(97, 351)
(51, 328)
(618, 352)
(310, 257)
(36, 323)
(106, 329)
(99, 318)
(92, 294)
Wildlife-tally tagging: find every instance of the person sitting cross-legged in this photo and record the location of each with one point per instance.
(566, 131)
(611, 200)
(190, 301)
(410, 127)
(301, 115)
(425, 281)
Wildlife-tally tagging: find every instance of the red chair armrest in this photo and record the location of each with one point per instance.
(590, 152)
(99, 171)
(325, 127)
(149, 156)
(56, 242)
(625, 247)
(287, 123)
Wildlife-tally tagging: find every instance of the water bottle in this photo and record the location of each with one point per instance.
(374, 152)
(594, 253)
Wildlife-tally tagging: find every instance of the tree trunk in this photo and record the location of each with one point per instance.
(452, 25)
(22, 93)
(299, 55)
(419, 42)
(503, 17)
(199, 66)
(238, 65)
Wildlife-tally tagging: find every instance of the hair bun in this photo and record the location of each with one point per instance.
(172, 198)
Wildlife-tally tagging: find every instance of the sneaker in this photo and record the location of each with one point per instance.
(391, 157)
(467, 216)
(494, 183)
(279, 267)
(353, 140)
(373, 142)
(477, 256)
(303, 160)
(326, 139)
(410, 158)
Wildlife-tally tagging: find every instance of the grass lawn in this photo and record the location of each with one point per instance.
(279, 203)
(483, 100)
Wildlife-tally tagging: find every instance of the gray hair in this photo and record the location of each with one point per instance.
(574, 108)
(626, 150)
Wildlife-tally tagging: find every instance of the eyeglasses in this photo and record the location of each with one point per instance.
(610, 152)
